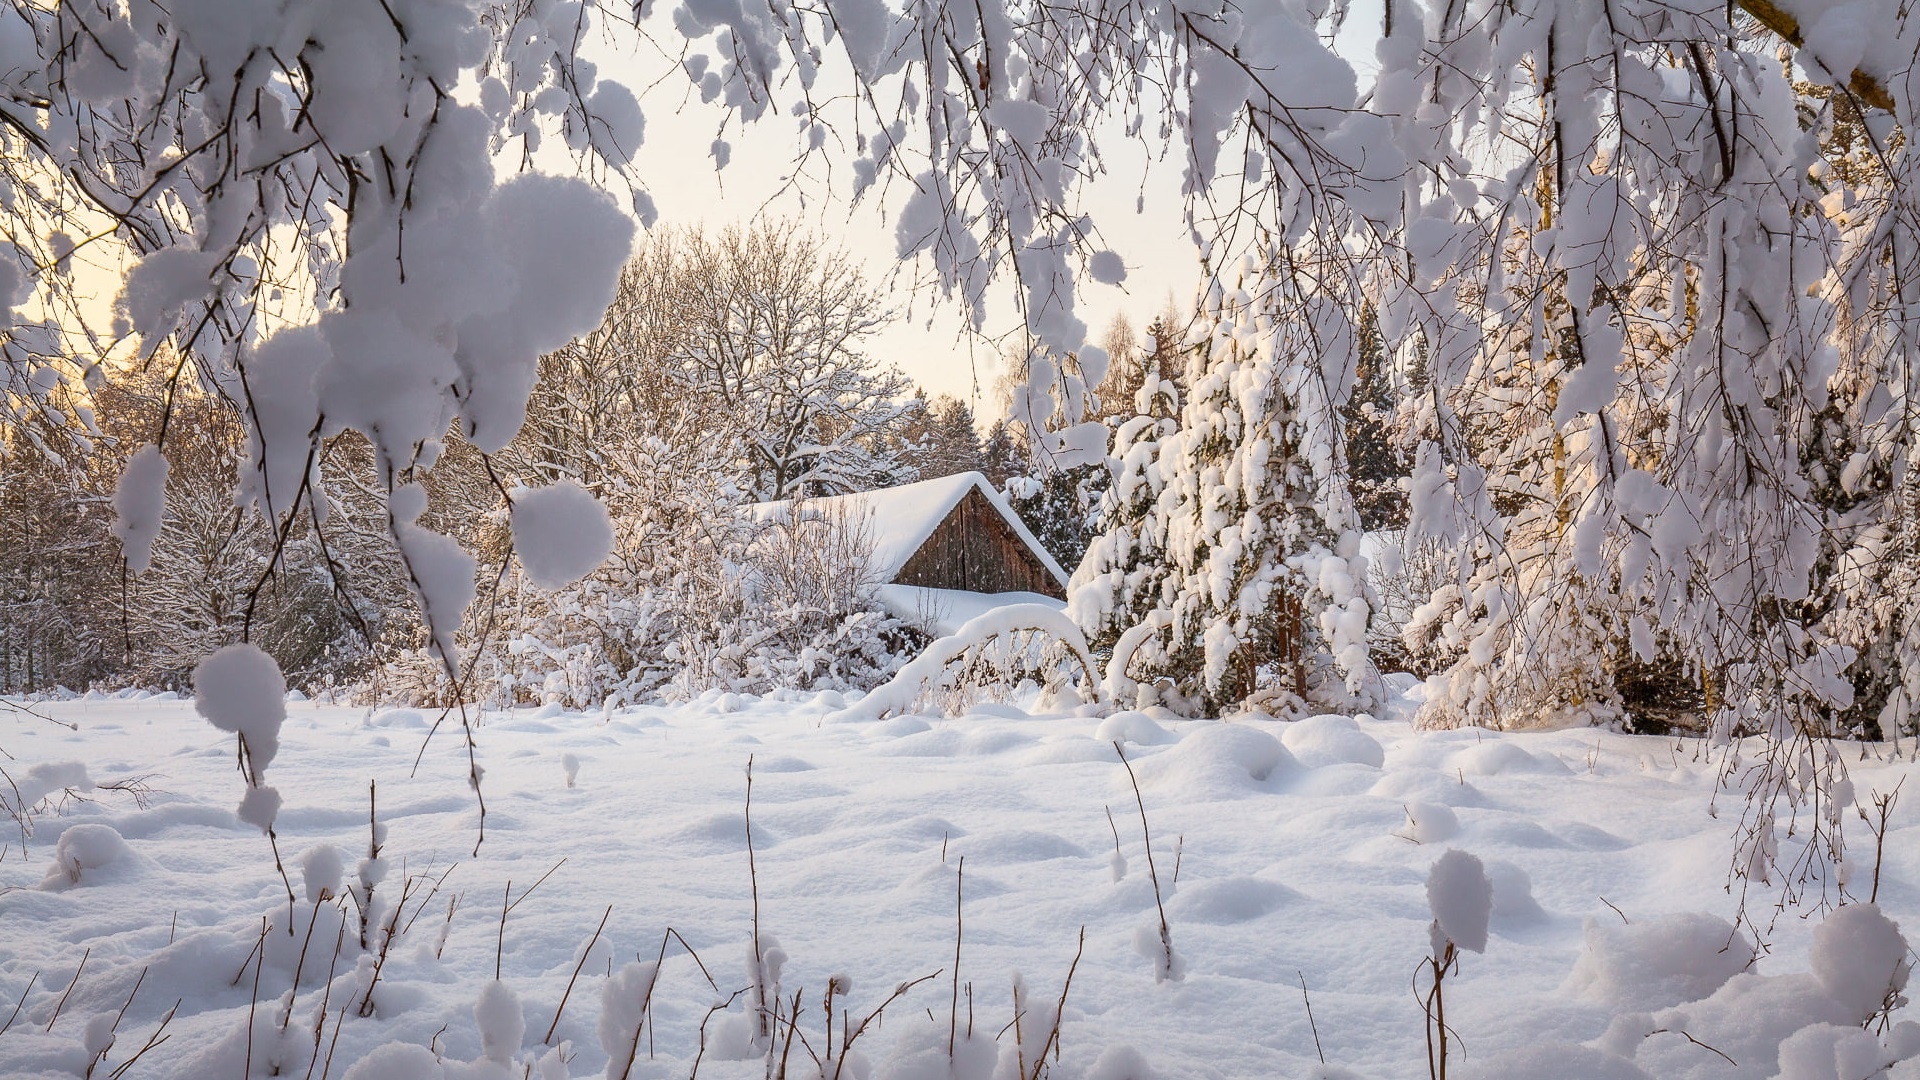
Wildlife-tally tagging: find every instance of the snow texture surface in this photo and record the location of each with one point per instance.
(1290, 868)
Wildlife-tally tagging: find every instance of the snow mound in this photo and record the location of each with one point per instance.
(1836, 1052)
(1748, 1020)
(1016, 846)
(1132, 726)
(1429, 823)
(1513, 902)
(405, 719)
(1332, 740)
(1228, 901)
(1502, 756)
(83, 848)
(1426, 785)
(1559, 1062)
(1217, 760)
(42, 780)
(1859, 956)
(397, 1061)
(1657, 962)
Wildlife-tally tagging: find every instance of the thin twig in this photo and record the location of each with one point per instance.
(584, 953)
(847, 1040)
(152, 1041)
(500, 941)
(333, 1043)
(70, 986)
(1059, 1011)
(1311, 1026)
(1694, 1041)
(753, 881)
(1166, 932)
(326, 996)
(23, 1000)
(959, 926)
(537, 884)
(254, 999)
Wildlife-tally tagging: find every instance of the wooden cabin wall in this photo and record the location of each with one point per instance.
(976, 550)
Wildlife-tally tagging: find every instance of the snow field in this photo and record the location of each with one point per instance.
(1303, 852)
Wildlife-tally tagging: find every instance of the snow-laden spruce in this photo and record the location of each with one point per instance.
(1231, 562)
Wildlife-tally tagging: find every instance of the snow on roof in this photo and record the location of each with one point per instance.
(900, 519)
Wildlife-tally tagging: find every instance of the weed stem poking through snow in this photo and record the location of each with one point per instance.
(153, 1040)
(74, 983)
(1311, 1026)
(1052, 1040)
(953, 1013)
(1166, 932)
(23, 1000)
(753, 884)
(584, 953)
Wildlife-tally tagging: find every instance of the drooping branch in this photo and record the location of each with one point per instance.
(1865, 86)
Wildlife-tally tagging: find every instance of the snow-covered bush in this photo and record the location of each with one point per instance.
(698, 594)
(795, 609)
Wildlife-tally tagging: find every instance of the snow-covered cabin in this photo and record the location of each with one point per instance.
(938, 544)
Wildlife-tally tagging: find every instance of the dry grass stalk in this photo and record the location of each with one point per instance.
(1166, 931)
(35, 977)
(759, 955)
(159, 1036)
(76, 981)
(113, 1033)
(584, 953)
(1052, 1041)
(848, 1039)
(959, 925)
(1435, 1006)
(1311, 1026)
(1883, 804)
(254, 999)
(326, 996)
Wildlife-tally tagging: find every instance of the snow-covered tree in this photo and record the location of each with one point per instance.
(1002, 456)
(1243, 582)
(771, 328)
(1376, 466)
(947, 441)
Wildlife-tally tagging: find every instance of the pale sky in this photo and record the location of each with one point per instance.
(929, 342)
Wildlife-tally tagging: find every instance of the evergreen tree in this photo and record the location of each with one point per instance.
(952, 442)
(1376, 466)
(1241, 583)
(1058, 508)
(1003, 456)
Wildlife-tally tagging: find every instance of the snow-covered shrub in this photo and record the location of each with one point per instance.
(797, 610)
(697, 594)
(988, 655)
